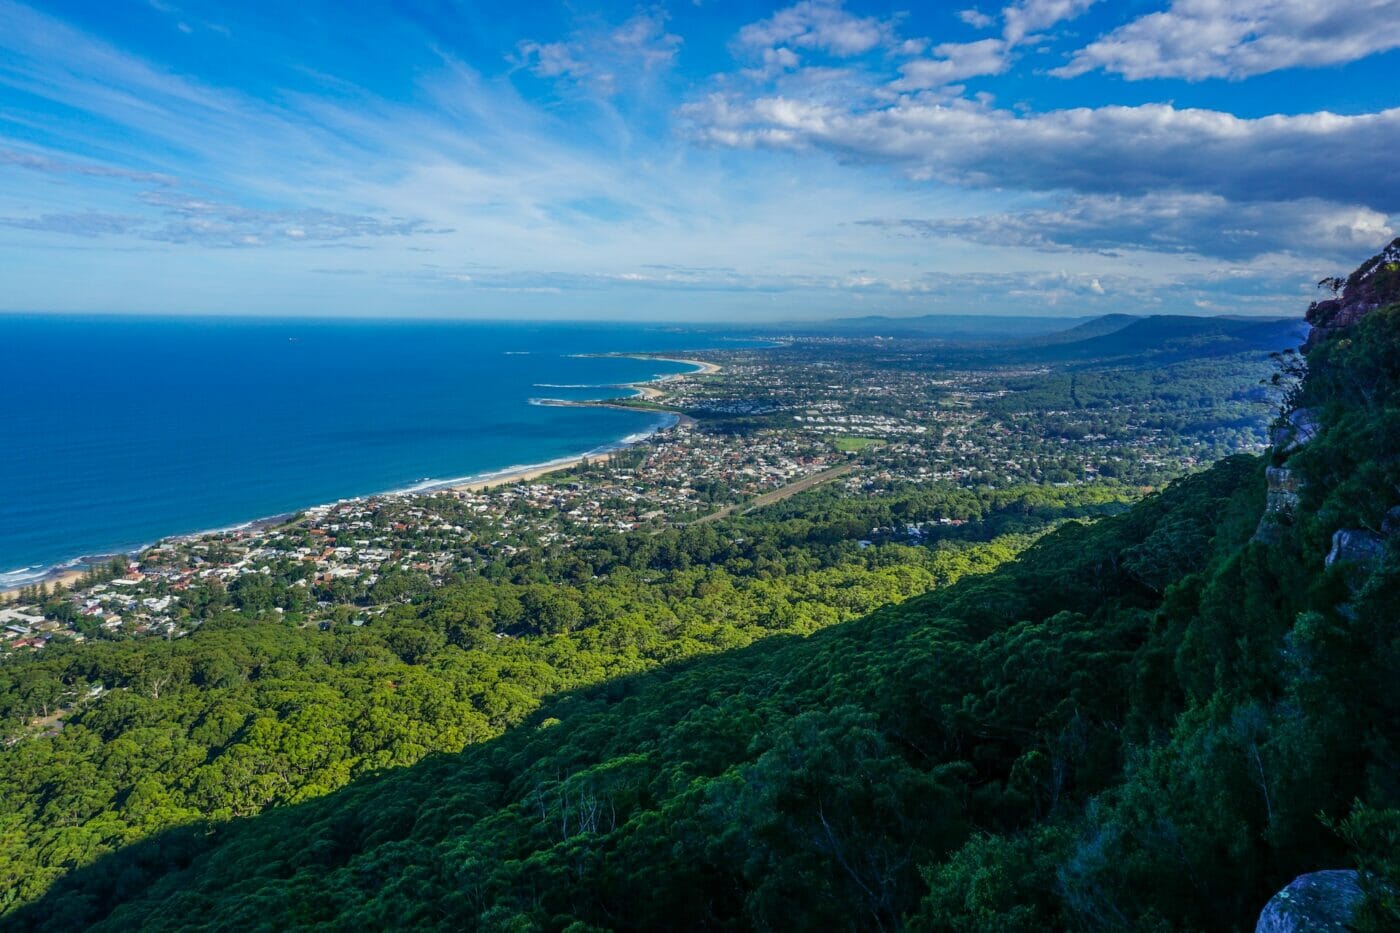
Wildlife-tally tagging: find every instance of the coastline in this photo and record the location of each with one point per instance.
(644, 388)
(50, 578)
(533, 472)
(702, 367)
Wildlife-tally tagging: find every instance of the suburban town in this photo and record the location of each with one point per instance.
(753, 426)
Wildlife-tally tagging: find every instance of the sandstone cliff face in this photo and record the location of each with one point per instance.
(1279, 504)
(1375, 283)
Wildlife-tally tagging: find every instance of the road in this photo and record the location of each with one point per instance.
(779, 494)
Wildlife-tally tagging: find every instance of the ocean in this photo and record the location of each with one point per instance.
(123, 430)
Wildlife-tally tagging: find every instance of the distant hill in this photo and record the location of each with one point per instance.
(1094, 327)
(1178, 336)
(953, 328)
(1048, 339)
(1161, 338)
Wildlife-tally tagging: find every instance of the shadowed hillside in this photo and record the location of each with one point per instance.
(1163, 338)
(1094, 327)
(753, 755)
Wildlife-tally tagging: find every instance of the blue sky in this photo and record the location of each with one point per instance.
(693, 160)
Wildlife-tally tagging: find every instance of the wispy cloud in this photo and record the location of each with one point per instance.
(52, 166)
(605, 57)
(1027, 17)
(1202, 224)
(79, 223)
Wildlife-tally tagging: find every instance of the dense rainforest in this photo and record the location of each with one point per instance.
(1151, 720)
(257, 709)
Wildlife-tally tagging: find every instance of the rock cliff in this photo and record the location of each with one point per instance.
(1374, 284)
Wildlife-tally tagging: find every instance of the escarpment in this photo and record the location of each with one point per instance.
(1374, 285)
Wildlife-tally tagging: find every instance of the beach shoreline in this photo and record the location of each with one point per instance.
(50, 579)
(528, 473)
(702, 367)
(645, 389)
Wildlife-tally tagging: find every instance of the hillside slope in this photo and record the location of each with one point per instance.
(1168, 337)
(1151, 722)
(946, 328)
(1094, 327)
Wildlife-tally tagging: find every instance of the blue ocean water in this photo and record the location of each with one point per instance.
(122, 430)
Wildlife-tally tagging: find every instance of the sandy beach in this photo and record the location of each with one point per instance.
(702, 368)
(645, 389)
(525, 474)
(67, 578)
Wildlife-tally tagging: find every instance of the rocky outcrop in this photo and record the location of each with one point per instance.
(1280, 503)
(1313, 903)
(1284, 486)
(1355, 546)
(1375, 283)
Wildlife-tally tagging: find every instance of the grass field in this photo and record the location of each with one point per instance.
(850, 444)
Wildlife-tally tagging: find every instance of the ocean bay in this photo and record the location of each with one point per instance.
(123, 430)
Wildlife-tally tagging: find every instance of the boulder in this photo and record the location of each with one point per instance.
(1313, 903)
(1355, 546)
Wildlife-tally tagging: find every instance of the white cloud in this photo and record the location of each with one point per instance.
(553, 59)
(1201, 224)
(954, 61)
(1113, 150)
(781, 59)
(641, 44)
(975, 18)
(1199, 39)
(645, 39)
(818, 25)
(1025, 17)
